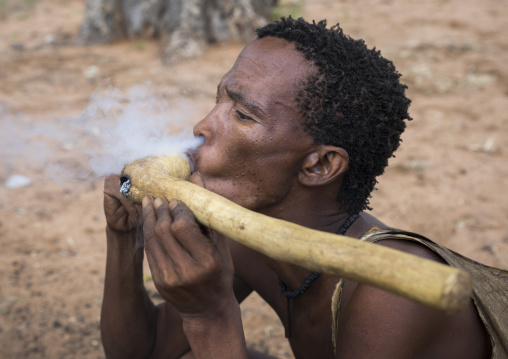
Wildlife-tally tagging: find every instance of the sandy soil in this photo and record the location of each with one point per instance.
(448, 180)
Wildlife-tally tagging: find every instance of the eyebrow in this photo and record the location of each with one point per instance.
(244, 100)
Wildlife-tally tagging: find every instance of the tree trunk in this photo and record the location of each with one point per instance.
(184, 27)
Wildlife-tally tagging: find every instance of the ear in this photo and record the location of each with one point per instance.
(323, 166)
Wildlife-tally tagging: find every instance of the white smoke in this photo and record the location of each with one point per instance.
(133, 125)
(116, 128)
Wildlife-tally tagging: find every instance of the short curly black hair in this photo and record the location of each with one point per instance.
(355, 101)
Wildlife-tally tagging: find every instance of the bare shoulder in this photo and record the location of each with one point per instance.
(375, 322)
(363, 224)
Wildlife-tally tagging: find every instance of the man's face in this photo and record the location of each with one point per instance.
(255, 141)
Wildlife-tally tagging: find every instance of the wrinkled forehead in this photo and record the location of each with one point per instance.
(275, 63)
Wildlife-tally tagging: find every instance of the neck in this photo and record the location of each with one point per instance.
(293, 276)
(311, 207)
(320, 212)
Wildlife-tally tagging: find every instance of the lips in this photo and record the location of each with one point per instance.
(192, 156)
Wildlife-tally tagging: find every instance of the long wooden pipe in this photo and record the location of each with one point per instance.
(423, 281)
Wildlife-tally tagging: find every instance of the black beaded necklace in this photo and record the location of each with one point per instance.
(293, 294)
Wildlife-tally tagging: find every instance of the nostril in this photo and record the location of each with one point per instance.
(202, 140)
(125, 185)
(203, 129)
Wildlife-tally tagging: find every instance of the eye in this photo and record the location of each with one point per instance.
(243, 117)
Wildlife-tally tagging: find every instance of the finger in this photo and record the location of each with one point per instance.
(110, 181)
(154, 253)
(131, 209)
(162, 271)
(139, 210)
(221, 242)
(149, 220)
(112, 193)
(197, 179)
(188, 232)
(177, 207)
(148, 212)
(112, 186)
(162, 230)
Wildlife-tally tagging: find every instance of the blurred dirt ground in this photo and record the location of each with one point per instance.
(447, 182)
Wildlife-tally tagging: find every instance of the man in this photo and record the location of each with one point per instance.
(303, 123)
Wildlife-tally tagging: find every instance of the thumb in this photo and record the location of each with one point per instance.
(197, 179)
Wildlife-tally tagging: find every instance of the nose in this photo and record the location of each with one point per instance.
(198, 130)
(204, 128)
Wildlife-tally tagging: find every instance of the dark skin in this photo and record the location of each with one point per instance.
(258, 155)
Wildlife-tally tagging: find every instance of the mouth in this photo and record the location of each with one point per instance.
(192, 156)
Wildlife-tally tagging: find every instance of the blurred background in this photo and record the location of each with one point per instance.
(60, 62)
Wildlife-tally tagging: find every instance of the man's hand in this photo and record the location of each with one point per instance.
(191, 267)
(121, 215)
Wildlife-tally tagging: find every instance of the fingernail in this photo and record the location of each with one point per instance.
(146, 201)
(157, 203)
(173, 203)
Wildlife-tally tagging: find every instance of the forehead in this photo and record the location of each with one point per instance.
(271, 70)
(278, 55)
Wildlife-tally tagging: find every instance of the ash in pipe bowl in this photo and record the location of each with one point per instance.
(125, 183)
